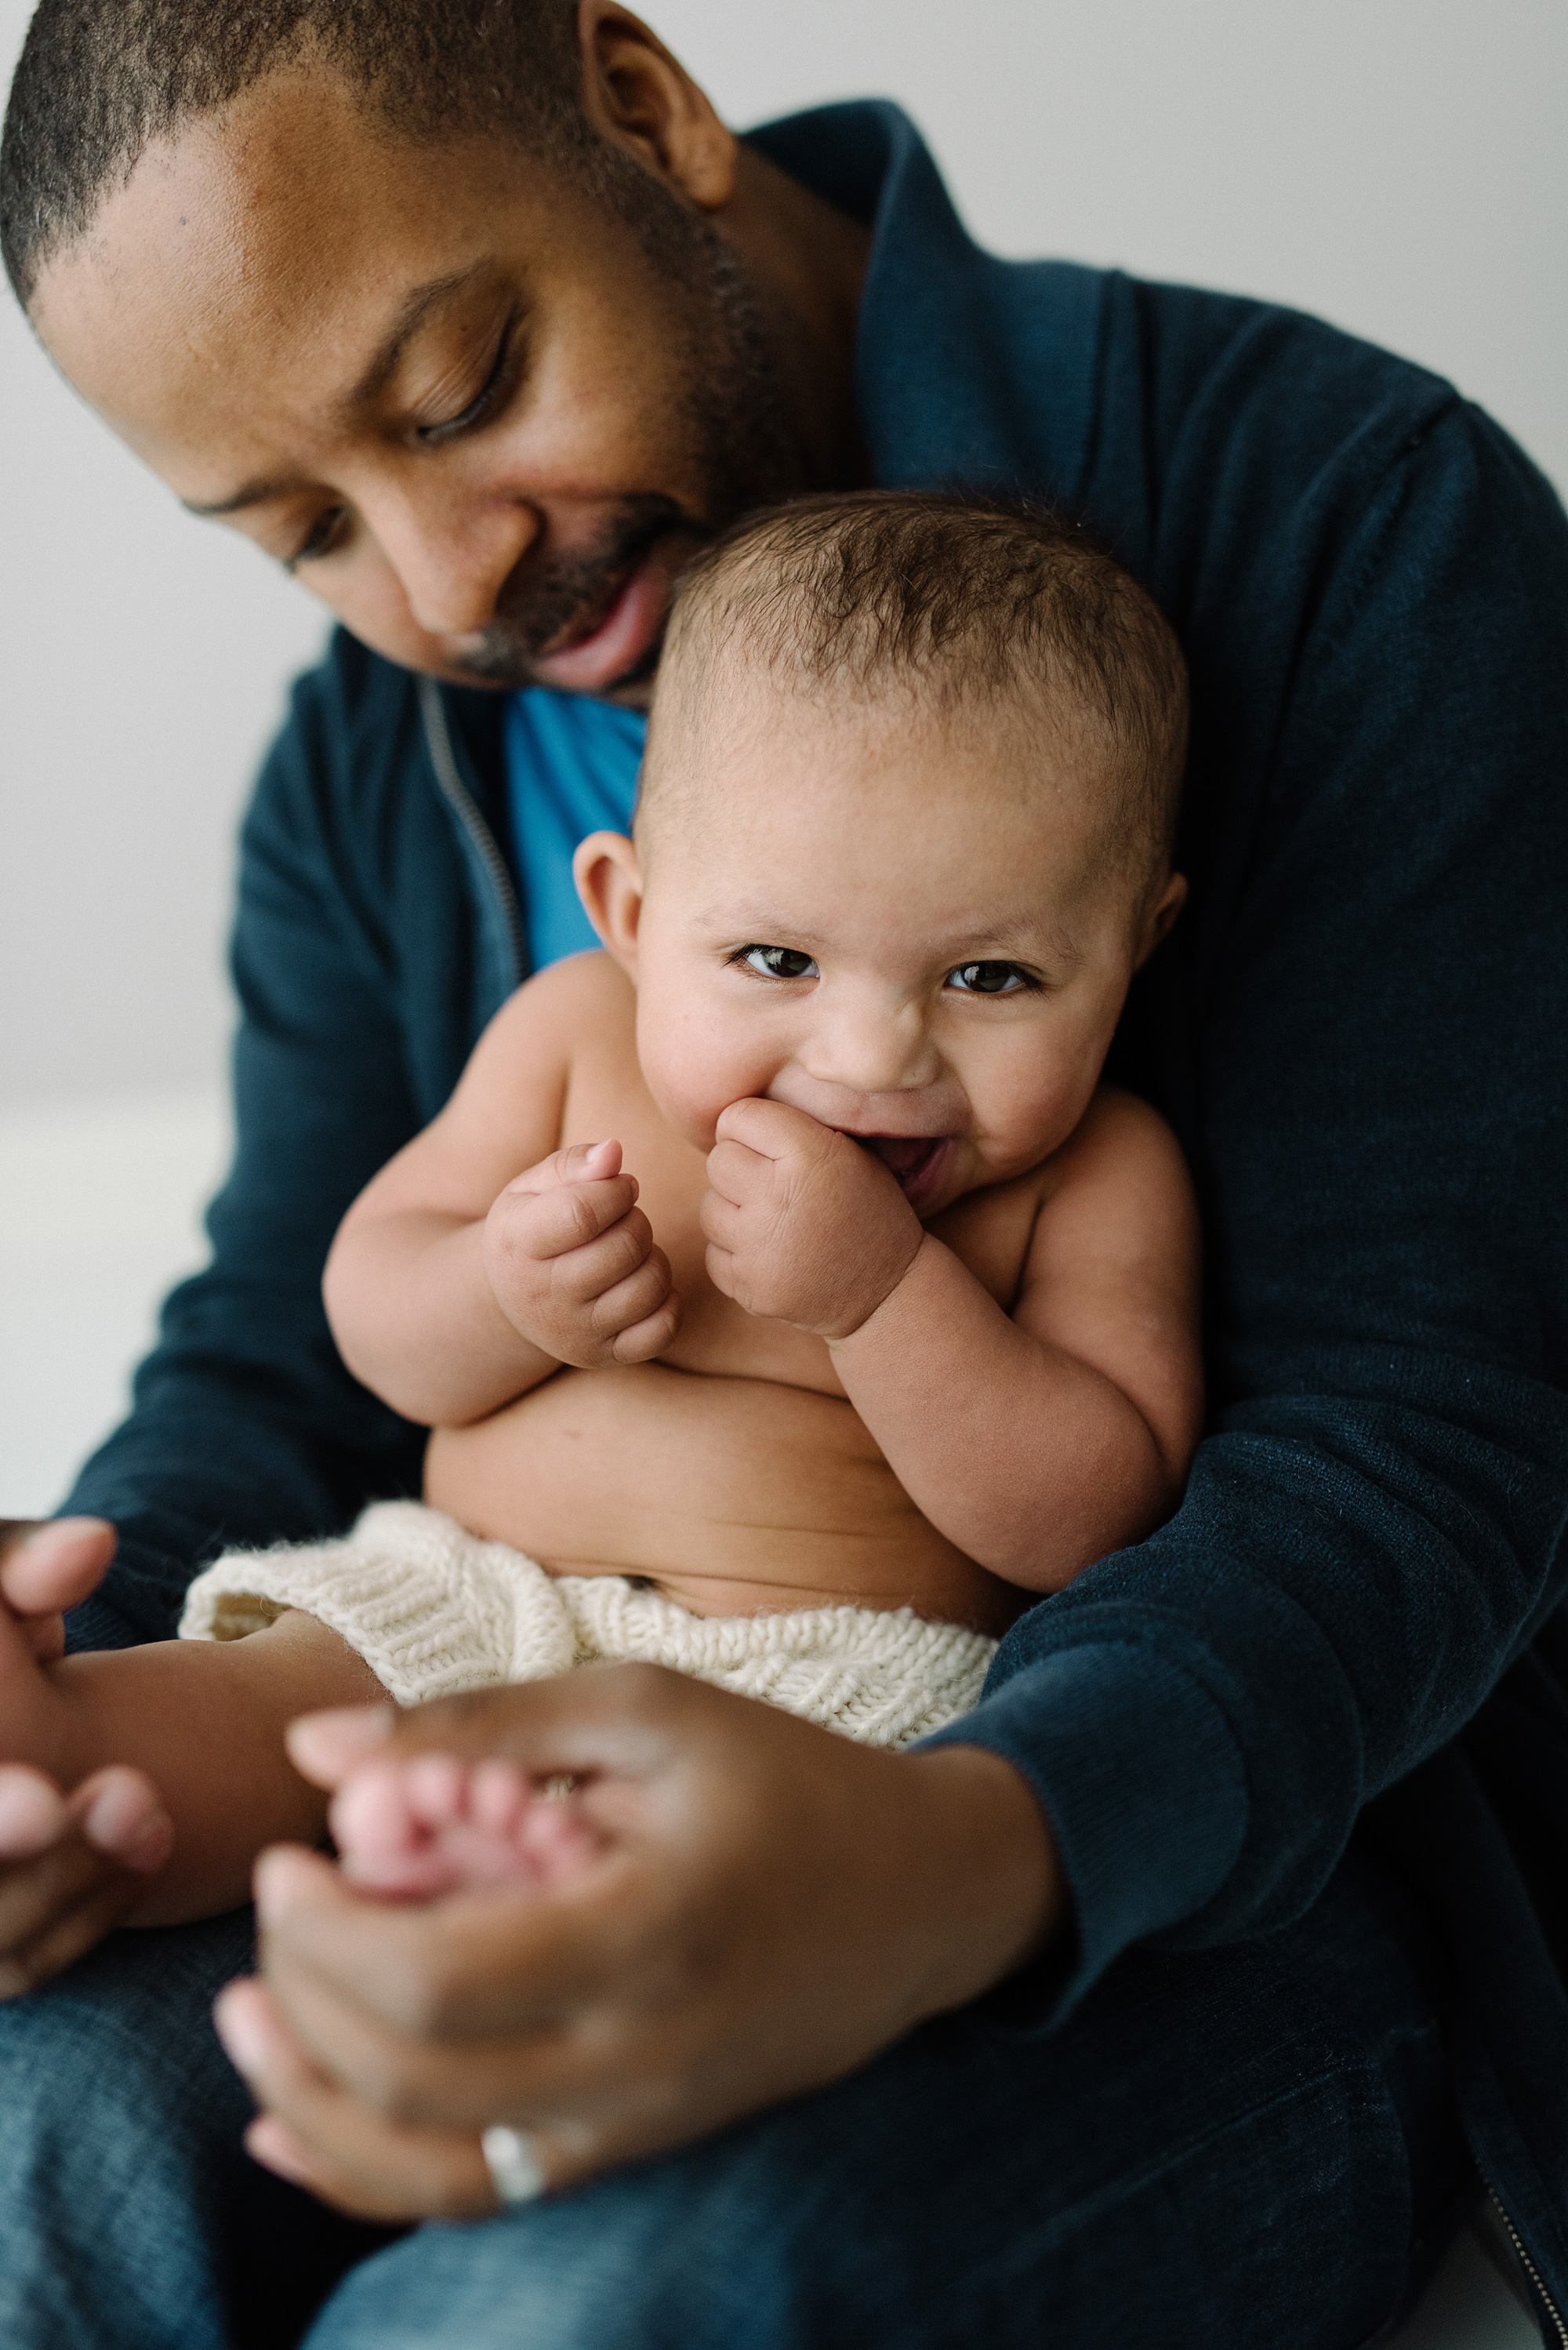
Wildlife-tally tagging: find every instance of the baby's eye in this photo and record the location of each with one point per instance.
(778, 963)
(988, 979)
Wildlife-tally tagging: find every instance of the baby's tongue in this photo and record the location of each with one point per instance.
(904, 1154)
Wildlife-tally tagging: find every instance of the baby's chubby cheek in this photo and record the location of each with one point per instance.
(694, 1065)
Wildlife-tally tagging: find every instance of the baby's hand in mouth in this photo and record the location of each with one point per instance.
(805, 1226)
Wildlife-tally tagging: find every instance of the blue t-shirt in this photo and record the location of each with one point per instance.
(571, 769)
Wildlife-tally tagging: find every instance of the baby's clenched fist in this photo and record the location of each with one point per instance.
(801, 1224)
(572, 1261)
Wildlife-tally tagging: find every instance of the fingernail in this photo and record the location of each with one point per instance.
(267, 2141)
(236, 2027)
(276, 1872)
(339, 1735)
(32, 1812)
(57, 1534)
(128, 1825)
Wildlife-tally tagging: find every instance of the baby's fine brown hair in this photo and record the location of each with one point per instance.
(958, 598)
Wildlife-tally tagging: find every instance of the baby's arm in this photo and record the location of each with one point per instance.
(456, 1282)
(1041, 1441)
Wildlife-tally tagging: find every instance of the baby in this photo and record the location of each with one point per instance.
(787, 1264)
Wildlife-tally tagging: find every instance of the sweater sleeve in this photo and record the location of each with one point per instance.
(246, 1429)
(1373, 1525)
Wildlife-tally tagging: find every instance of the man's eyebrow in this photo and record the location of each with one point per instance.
(415, 308)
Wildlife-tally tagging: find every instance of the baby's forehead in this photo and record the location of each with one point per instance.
(827, 819)
(733, 748)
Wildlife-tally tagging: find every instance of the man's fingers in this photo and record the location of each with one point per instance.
(454, 1970)
(32, 1812)
(613, 1717)
(45, 1569)
(408, 2077)
(54, 1907)
(68, 1935)
(316, 2134)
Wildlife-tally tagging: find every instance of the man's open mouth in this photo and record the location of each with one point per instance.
(613, 640)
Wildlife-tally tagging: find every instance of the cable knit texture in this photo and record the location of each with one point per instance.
(433, 1610)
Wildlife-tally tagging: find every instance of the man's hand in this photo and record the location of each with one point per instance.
(70, 1867)
(571, 1258)
(802, 1224)
(769, 1906)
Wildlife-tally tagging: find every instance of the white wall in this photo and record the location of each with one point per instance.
(1400, 165)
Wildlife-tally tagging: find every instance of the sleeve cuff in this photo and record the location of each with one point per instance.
(1135, 1768)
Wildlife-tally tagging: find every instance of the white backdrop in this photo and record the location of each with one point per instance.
(1398, 165)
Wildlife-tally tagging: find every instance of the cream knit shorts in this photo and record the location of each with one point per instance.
(433, 1610)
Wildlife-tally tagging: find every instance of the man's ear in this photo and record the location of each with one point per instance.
(1160, 917)
(610, 882)
(639, 96)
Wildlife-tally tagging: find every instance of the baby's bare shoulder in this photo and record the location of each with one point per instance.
(1118, 1139)
(578, 1004)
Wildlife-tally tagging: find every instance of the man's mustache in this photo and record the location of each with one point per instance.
(564, 597)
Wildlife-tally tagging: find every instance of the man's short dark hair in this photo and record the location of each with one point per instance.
(962, 598)
(99, 80)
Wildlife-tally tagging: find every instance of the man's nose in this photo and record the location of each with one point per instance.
(452, 563)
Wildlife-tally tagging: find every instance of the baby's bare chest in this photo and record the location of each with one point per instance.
(990, 1231)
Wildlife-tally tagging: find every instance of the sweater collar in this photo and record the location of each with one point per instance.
(969, 370)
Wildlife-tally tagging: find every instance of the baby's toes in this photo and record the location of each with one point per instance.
(437, 1789)
(497, 1796)
(558, 1839)
(370, 1816)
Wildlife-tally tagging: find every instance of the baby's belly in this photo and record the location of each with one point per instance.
(732, 1494)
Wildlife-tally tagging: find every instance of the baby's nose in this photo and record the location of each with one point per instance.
(872, 1049)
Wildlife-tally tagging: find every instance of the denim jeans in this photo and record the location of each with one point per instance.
(1248, 2146)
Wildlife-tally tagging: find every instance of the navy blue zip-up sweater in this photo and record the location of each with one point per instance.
(1358, 1030)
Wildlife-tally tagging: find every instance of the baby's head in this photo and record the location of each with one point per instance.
(904, 832)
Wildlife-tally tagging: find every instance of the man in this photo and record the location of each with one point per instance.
(1084, 2024)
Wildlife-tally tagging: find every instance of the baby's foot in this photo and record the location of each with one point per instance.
(435, 1824)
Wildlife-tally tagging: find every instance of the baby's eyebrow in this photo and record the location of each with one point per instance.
(964, 943)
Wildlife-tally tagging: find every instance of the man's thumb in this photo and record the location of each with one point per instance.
(46, 1568)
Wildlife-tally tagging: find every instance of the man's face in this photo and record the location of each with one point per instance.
(483, 418)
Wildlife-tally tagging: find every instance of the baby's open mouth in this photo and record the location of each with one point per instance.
(913, 1158)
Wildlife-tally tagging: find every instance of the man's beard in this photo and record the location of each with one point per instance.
(738, 440)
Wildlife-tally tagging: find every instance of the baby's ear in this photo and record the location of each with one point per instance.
(1161, 916)
(609, 883)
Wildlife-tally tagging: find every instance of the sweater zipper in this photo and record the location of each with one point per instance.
(466, 807)
(1537, 2282)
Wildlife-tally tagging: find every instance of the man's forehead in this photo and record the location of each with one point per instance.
(280, 243)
